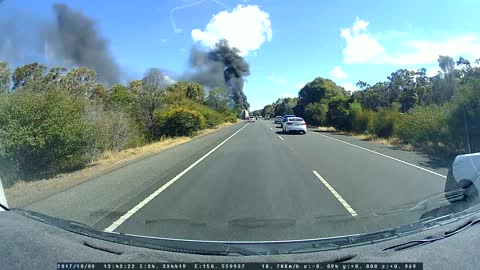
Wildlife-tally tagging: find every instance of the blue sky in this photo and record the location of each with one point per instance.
(286, 43)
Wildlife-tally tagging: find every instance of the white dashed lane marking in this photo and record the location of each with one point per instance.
(335, 193)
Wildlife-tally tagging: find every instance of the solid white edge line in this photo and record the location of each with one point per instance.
(383, 155)
(137, 207)
(335, 193)
(281, 138)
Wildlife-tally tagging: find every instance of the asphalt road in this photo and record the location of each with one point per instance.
(265, 185)
(251, 182)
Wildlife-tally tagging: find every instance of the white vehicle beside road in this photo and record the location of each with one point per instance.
(463, 179)
(294, 124)
(278, 119)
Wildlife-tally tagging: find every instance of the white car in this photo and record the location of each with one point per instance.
(463, 179)
(251, 119)
(295, 124)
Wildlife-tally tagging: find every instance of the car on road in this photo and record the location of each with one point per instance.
(251, 119)
(284, 118)
(295, 124)
(278, 119)
(463, 179)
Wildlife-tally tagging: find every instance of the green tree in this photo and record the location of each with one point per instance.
(316, 113)
(423, 87)
(181, 90)
(398, 82)
(408, 99)
(27, 73)
(150, 98)
(445, 84)
(338, 113)
(100, 94)
(80, 81)
(43, 134)
(285, 106)
(218, 100)
(4, 77)
(121, 98)
(315, 91)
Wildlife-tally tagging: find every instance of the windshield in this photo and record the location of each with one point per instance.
(295, 119)
(137, 117)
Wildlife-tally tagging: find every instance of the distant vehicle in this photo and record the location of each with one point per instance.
(284, 119)
(245, 114)
(251, 119)
(295, 124)
(278, 119)
(267, 117)
(463, 179)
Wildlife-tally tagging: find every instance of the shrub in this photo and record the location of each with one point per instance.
(113, 130)
(338, 113)
(364, 122)
(426, 126)
(316, 113)
(383, 125)
(177, 121)
(212, 118)
(43, 133)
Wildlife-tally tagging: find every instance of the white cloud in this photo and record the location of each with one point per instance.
(349, 87)
(300, 85)
(168, 80)
(361, 46)
(246, 28)
(163, 40)
(338, 73)
(432, 71)
(282, 80)
(364, 48)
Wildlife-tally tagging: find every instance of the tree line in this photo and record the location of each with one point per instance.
(58, 120)
(439, 114)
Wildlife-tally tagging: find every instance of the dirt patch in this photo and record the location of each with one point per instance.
(24, 193)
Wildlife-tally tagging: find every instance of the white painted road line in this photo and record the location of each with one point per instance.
(132, 211)
(335, 193)
(281, 138)
(383, 155)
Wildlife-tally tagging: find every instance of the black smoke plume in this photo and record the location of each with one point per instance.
(75, 39)
(71, 40)
(222, 67)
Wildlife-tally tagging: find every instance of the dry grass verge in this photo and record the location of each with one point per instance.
(392, 141)
(23, 193)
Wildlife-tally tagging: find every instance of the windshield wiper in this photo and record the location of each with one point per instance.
(421, 242)
(4, 207)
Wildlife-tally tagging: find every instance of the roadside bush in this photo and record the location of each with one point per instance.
(113, 130)
(316, 113)
(466, 110)
(338, 113)
(364, 122)
(229, 116)
(384, 123)
(212, 118)
(427, 127)
(177, 121)
(43, 133)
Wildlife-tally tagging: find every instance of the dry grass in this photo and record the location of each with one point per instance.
(323, 129)
(23, 193)
(392, 141)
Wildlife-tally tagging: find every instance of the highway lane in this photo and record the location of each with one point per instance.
(265, 185)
